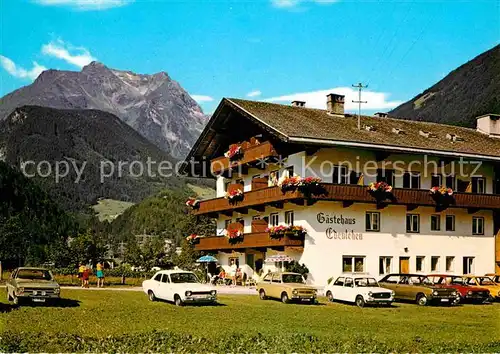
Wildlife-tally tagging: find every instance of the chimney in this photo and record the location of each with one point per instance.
(298, 104)
(381, 115)
(489, 124)
(335, 104)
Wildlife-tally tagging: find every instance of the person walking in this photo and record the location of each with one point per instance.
(100, 274)
(81, 269)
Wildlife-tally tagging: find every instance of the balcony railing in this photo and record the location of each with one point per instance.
(251, 154)
(252, 240)
(347, 193)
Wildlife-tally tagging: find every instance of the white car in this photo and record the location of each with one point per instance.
(360, 289)
(179, 287)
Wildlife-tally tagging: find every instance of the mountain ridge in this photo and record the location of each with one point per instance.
(467, 92)
(154, 105)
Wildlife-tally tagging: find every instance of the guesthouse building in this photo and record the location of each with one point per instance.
(341, 193)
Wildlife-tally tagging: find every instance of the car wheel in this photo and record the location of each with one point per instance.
(178, 301)
(284, 298)
(329, 296)
(262, 294)
(422, 300)
(151, 295)
(360, 302)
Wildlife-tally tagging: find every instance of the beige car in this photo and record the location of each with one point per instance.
(286, 287)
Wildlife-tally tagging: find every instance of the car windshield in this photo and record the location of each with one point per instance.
(365, 282)
(293, 278)
(33, 274)
(183, 278)
(457, 281)
(485, 281)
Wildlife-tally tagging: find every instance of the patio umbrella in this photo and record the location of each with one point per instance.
(207, 259)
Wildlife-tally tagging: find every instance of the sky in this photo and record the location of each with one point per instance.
(270, 50)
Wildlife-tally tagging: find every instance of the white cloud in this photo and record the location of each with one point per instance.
(20, 72)
(85, 4)
(254, 93)
(288, 4)
(317, 99)
(77, 56)
(202, 98)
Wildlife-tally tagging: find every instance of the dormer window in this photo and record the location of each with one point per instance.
(454, 137)
(427, 134)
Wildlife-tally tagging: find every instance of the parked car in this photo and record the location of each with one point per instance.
(484, 282)
(32, 284)
(286, 287)
(358, 289)
(494, 277)
(179, 287)
(467, 293)
(419, 288)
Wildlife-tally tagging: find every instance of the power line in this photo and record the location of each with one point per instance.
(359, 102)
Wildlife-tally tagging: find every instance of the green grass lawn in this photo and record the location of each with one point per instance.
(127, 321)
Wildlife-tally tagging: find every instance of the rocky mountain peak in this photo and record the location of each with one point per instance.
(154, 105)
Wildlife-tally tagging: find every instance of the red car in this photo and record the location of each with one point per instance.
(467, 292)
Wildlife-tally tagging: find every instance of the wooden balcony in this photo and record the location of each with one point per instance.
(348, 194)
(252, 152)
(253, 240)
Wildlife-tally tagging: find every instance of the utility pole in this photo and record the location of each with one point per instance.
(359, 102)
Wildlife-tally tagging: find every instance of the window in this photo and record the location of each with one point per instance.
(450, 222)
(451, 181)
(434, 263)
(353, 264)
(165, 279)
(340, 175)
(290, 171)
(419, 266)
(478, 185)
(158, 277)
(386, 176)
(339, 281)
(450, 262)
(436, 180)
(413, 223)
(468, 265)
(372, 221)
(478, 225)
(273, 178)
(256, 217)
(267, 278)
(385, 265)
(435, 222)
(227, 223)
(349, 283)
(275, 219)
(276, 278)
(289, 217)
(411, 180)
(226, 185)
(241, 221)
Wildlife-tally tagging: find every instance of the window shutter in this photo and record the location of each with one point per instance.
(335, 175)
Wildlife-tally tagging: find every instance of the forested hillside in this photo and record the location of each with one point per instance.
(33, 228)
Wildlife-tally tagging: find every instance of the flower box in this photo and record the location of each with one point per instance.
(235, 152)
(193, 239)
(441, 191)
(290, 231)
(442, 195)
(307, 185)
(234, 235)
(234, 196)
(193, 203)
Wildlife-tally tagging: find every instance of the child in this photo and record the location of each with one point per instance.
(85, 277)
(81, 269)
